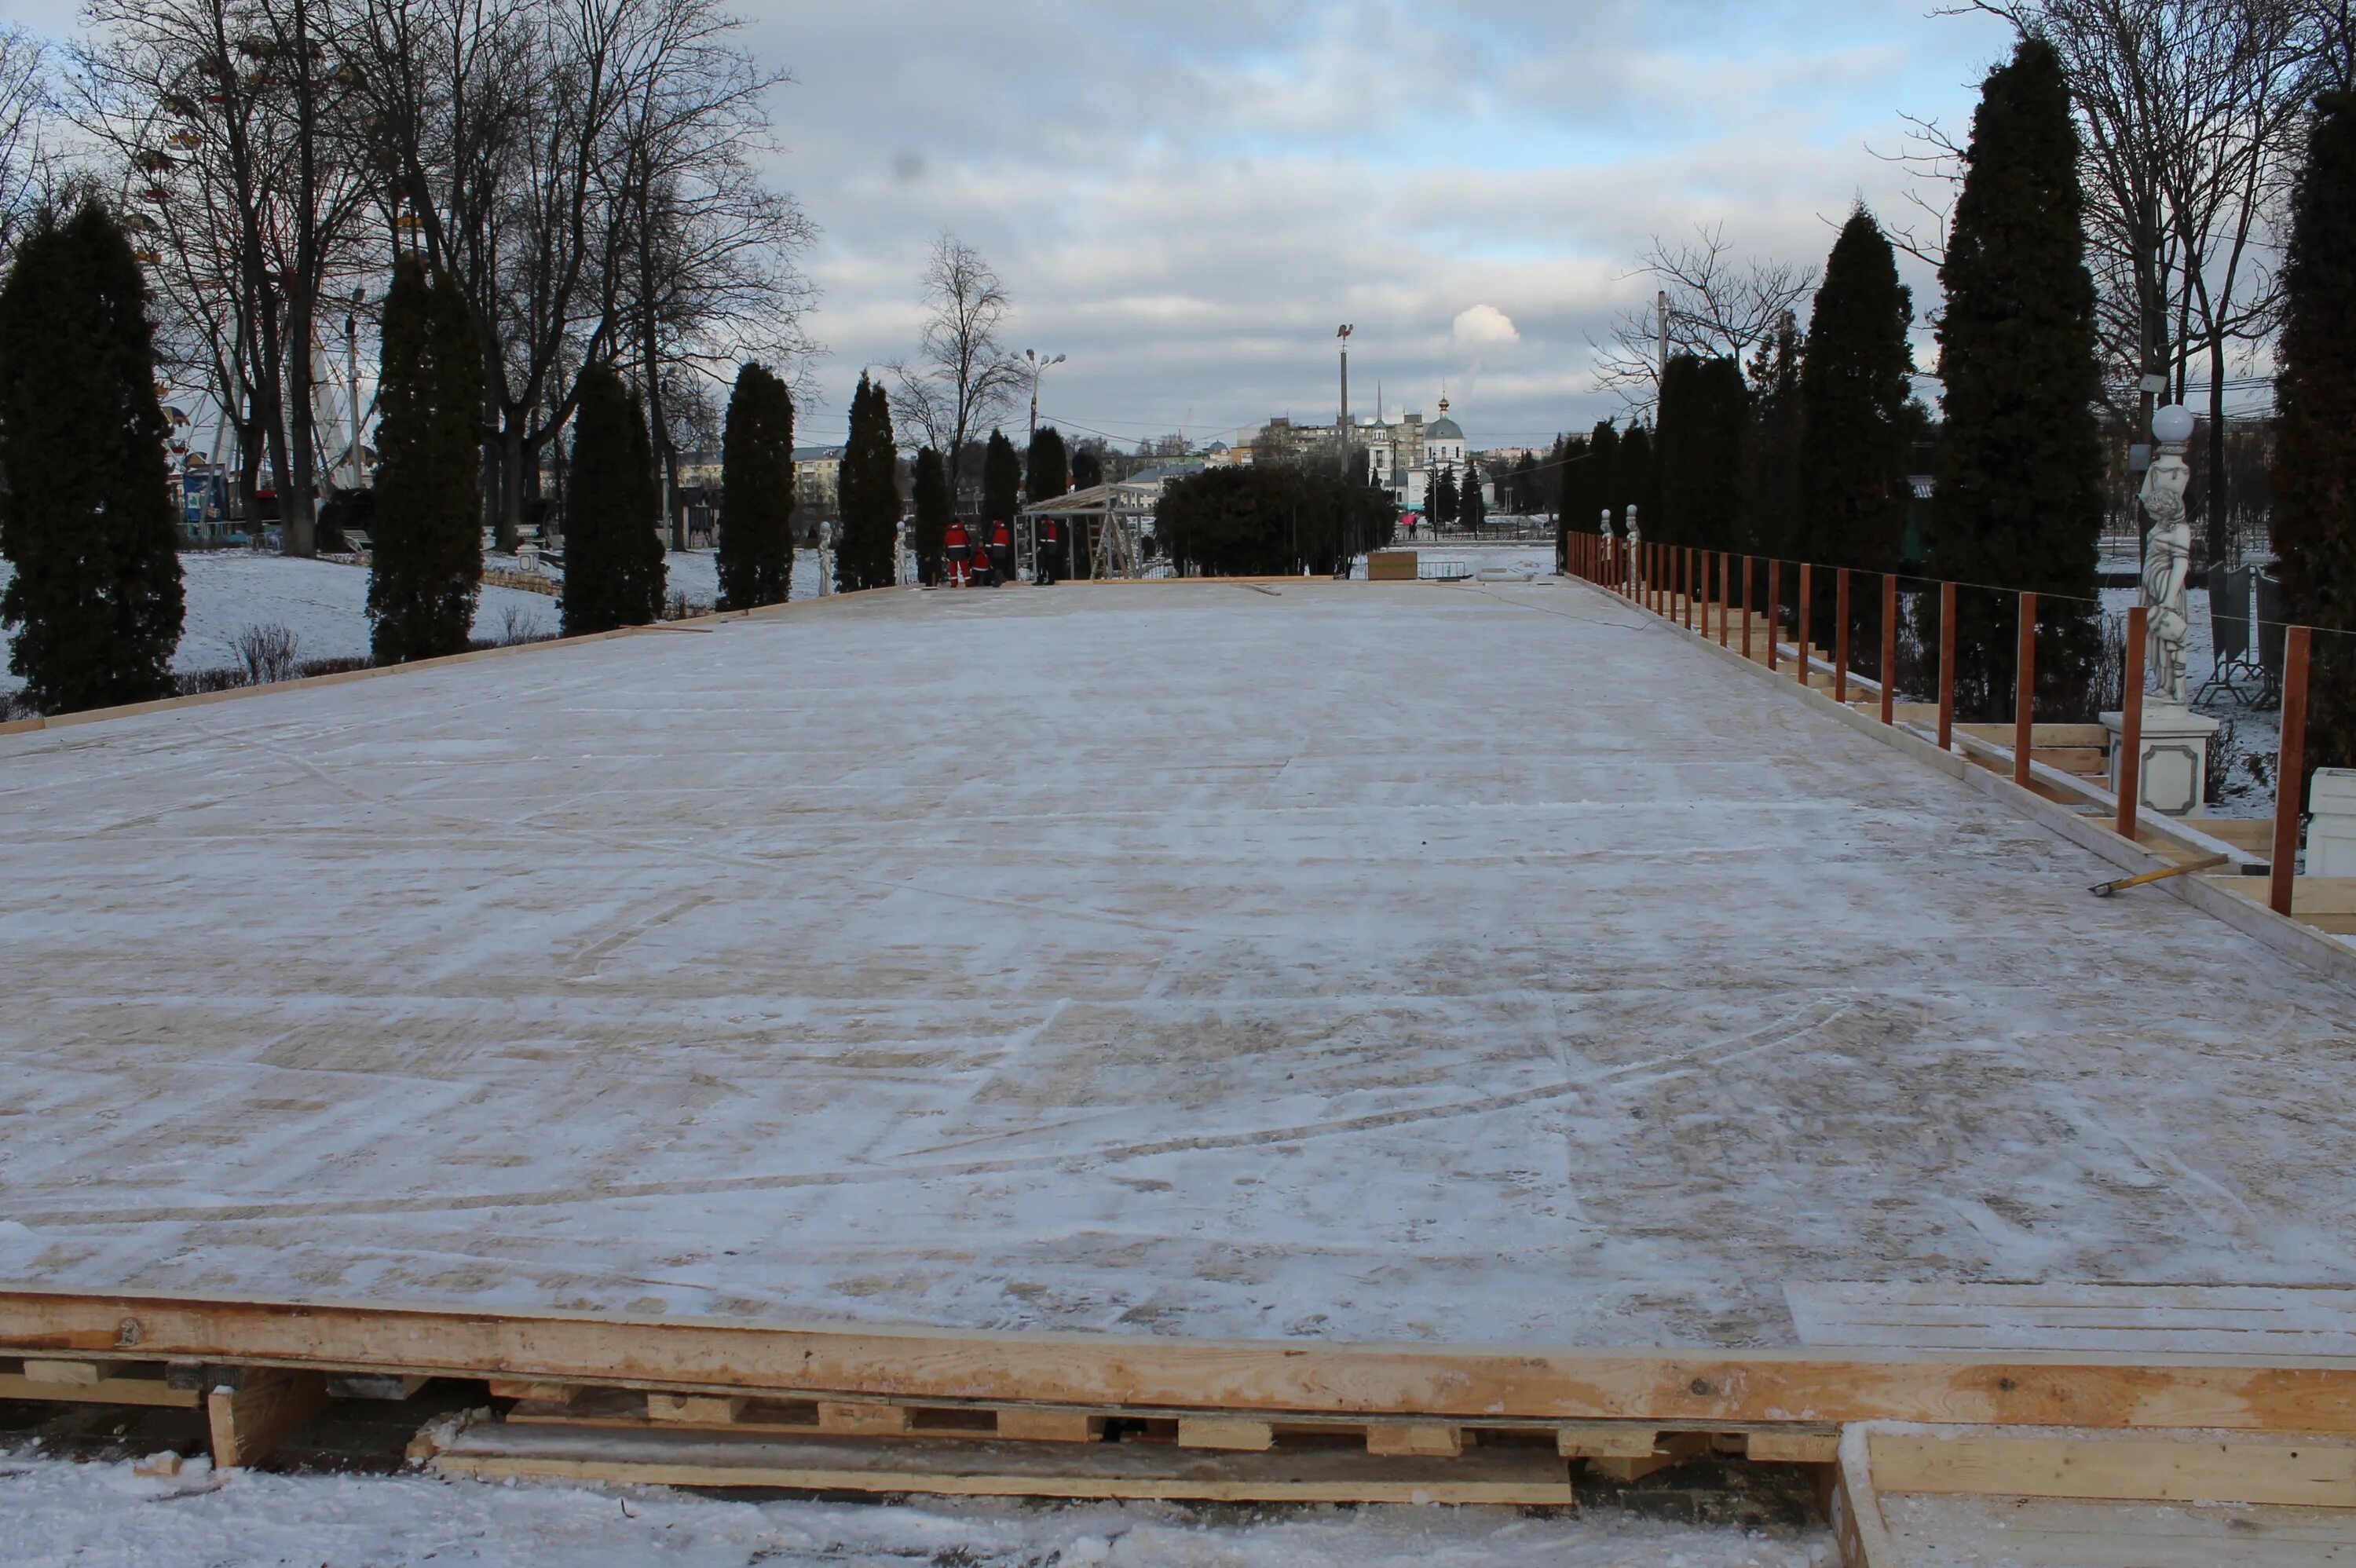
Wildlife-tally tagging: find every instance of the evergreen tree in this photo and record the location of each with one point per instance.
(1046, 476)
(1567, 481)
(613, 574)
(1087, 471)
(1635, 483)
(425, 565)
(1769, 522)
(1445, 503)
(86, 508)
(2020, 498)
(1601, 483)
(867, 553)
(1002, 482)
(1470, 511)
(756, 493)
(1527, 500)
(931, 504)
(1704, 412)
(2315, 428)
(1854, 387)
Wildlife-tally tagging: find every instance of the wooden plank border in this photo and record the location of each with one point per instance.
(1465, 1383)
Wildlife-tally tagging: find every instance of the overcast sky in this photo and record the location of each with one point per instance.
(1187, 199)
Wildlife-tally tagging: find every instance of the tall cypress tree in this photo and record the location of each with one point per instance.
(931, 504)
(1001, 483)
(1470, 511)
(2020, 500)
(757, 496)
(1769, 519)
(1046, 474)
(1704, 413)
(1854, 384)
(425, 568)
(614, 573)
(1601, 492)
(86, 511)
(2315, 428)
(1635, 483)
(866, 555)
(1444, 502)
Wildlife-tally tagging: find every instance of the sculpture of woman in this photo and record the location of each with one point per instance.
(2167, 553)
(1635, 552)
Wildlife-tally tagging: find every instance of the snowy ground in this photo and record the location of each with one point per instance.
(1471, 963)
(54, 1513)
(325, 604)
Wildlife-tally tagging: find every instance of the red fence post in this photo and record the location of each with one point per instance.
(2024, 692)
(1774, 570)
(1742, 603)
(2128, 773)
(1689, 586)
(1840, 634)
(1889, 646)
(2290, 768)
(1724, 592)
(1946, 666)
(1800, 626)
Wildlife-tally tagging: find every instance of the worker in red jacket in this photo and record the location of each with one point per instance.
(1001, 551)
(1051, 552)
(957, 554)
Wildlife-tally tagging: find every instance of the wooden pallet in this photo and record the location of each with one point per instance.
(1337, 1473)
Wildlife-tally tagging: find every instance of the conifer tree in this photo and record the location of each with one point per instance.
(1704, 413)
(614, 573)
(1002, 482)
(1046, 474)
(1634, 482)
(425, 565)
(867, 553)
(1854, 386)
(1445, 502)
(756, 495)
(931, 504)
(1769, 519)
(2314, 428)
(2020, 498)
(86, 512)
(1601, 483)
(1470, 510)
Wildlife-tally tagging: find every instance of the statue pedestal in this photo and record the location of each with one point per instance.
(2175, 770)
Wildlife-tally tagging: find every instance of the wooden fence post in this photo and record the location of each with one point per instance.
(2290, 785)
(1724, 592)
(1840, 634)
(1689, 587)
(1742, 603)
(2129, 774)
(1888, 647)
(2024, 692)
(1946, 666)
(1800, 626)
(1774, 570)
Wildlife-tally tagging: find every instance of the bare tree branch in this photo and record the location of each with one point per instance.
(1717, 308)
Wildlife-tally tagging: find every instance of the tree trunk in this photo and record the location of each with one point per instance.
(298, 486)
(2218, 529)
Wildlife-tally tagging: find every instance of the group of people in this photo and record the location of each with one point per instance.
(968, 562)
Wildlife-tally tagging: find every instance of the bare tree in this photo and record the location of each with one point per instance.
(26, 164)
(965, 377)
(580, 166)
(2189, 112)
(1717, 306)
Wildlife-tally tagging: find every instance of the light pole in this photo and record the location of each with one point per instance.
(1038, 368)
(1343, 337)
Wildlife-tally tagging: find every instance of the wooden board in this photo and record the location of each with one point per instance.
(2307, 1470)
(1329, 1475)
(2050, 1533)
(107, 1391)
(1230, 1378)
(2263, 1322)
(264, 1411)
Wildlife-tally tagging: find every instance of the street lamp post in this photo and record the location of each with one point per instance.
(1038, 368)
(1342, 336)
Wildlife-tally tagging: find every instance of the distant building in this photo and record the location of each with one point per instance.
(817, 475)
(1405, 456)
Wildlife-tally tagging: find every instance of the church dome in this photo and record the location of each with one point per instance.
(1444, 429)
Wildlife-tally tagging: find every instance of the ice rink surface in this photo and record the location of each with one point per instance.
(1476, 963)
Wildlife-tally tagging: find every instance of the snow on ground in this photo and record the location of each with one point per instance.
(54, 1513)
(323, 602)
(1473, 964)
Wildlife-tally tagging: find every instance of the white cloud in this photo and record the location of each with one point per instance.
(1484, 326)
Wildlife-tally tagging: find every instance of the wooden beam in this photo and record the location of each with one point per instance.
(2308, 1471)
(1858, 1528)
(1404, 1437)
(701, 1408)
(1797, 1445)
(1210, 1432)
(262, 1411)
(1668, 1449)
(862, 1419)
(106, 1391)
(1266, 1378)
(1050, 1426)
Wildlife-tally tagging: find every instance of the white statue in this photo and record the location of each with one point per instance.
(1635, 552)
(1609, 551)
(2167, 554)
